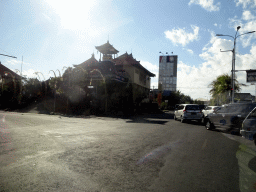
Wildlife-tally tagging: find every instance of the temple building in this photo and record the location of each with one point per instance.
(107, 50)
(124, 69)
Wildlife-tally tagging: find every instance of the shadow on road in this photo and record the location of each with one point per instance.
(157, 118)
(145, 121)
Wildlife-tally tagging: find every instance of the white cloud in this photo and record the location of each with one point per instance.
(153, 69)
(245, 3)
(47, 17)
(149, 66)
(29, 73)
(247, 25)
(215, 24)
(190, 51)
(206, 4)
(247, 15)
(15, 62)
(180, 36)
(194, 81)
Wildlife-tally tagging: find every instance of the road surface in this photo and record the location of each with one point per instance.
(145, 153)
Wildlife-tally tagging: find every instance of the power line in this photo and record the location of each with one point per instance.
(8, 56)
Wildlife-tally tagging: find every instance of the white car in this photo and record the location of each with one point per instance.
(248, 129)
(187, 112)
(209, 110)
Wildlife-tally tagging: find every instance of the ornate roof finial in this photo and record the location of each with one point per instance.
(93, 55)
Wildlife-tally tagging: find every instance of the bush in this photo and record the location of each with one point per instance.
(163, 106)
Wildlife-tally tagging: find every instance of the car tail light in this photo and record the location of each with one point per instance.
(184, 111)
(248, 129)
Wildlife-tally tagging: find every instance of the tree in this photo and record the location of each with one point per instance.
(221, 87)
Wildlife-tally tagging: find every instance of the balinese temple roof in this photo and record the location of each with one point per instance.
(106, 49)
(127, 59)
(4, 70)
(91, 61)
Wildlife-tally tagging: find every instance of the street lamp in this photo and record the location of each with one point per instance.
(234, 58)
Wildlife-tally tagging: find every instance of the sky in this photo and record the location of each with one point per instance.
(54, 34)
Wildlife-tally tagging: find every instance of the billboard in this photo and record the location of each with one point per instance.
(250, 76)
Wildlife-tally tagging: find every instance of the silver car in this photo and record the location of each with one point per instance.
(209, 110)
(248, 129)
(186, 112)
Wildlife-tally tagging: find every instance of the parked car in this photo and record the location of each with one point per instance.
(248, 129)
(186, 112)
(208, 110)
(202, 107)
(229, 117)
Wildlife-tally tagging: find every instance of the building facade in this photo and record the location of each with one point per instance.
(124, 68)
(167, 79)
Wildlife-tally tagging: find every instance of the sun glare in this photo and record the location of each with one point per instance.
(74, 15)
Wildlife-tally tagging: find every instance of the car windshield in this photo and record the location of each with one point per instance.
(192, 107)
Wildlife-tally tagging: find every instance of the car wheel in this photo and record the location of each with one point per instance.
(209, 125)
(182, 120)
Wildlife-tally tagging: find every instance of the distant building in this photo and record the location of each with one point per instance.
(167, 73)
(123, 68)
(243, 97)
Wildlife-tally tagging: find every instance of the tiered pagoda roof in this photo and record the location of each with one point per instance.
(106, 49)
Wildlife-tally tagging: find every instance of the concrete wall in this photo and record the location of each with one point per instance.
(138, 76)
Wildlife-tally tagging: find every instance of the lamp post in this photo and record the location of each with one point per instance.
(234, 59)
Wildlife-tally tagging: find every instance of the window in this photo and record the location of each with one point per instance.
(192, 107)
(253, 115)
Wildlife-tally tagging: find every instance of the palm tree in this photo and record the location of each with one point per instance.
(222, 86)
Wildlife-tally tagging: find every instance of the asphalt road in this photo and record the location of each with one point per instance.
(145, 153)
